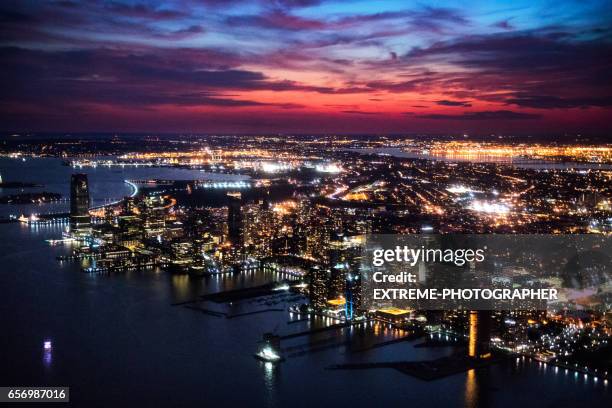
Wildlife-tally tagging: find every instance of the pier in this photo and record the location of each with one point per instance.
(426, 370)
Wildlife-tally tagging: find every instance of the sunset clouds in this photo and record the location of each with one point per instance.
(306, 66)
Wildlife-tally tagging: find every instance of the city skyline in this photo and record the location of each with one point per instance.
(306, 66)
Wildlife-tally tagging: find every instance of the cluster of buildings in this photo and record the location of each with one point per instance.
(304, 219)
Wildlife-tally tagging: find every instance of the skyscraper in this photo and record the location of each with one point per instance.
(344, 257)
(234, 220)
(80, 221)
(353, 295)
(318, 288)
(480, 334)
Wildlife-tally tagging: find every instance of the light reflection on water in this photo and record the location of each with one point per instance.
(271, 380)
(471, 389)
(47, 357)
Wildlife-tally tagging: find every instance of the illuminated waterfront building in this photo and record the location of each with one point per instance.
(80, 220)
(480, 334)
(180, 256)
(353, 295)
(393, 315)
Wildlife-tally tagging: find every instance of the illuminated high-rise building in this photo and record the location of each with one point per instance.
(337, 281)
(80, 220)
(480, 334)
(109, 215)
(318, 288)
(353, 295)
(129, 205)
(344, 255)
(234, 220)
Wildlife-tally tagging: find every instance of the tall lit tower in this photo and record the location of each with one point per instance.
(234, 219)
(80, 221)
(480, 334)
(353, 295)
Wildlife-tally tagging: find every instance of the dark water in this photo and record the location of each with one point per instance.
(117, 341)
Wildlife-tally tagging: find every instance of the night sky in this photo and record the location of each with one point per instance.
(521, 66)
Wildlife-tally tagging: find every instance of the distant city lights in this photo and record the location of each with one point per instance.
(460, 189)
(328, 168)
(271, 167)
(225, 184)
(489, 207)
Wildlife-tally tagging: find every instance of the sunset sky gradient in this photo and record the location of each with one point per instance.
(307, 66)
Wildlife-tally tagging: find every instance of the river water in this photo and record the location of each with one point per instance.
(118, 341)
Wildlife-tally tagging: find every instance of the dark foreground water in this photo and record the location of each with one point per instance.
(117, 341)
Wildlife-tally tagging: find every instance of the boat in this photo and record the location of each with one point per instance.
(268, 355)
